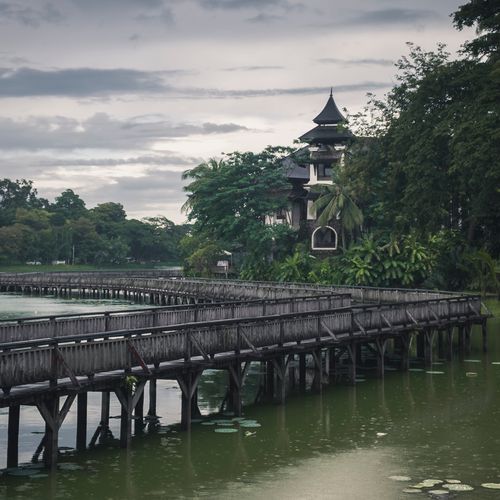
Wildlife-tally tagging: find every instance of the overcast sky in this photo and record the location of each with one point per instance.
(116, 98)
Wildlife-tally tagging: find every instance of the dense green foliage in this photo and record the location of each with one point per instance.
(419, 195)
(228, 201)
(34, 230)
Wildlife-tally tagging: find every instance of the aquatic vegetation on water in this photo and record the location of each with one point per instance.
(400, 478)
(411, 490)
(225, 430)
(491, 486)
(458, 487)
(433, 372)
(471, 374)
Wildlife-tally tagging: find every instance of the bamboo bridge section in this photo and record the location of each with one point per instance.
(331, 331)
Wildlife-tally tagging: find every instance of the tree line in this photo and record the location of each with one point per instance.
(419, 194)
(32, 229)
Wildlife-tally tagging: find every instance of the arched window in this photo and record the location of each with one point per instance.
(324, 238)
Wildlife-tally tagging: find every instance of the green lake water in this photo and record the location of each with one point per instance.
(342, 444)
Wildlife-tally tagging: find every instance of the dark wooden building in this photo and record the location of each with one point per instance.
(311, 166)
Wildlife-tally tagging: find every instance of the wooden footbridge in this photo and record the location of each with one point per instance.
(208, 324)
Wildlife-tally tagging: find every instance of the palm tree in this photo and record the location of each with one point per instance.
(199, 175)
(336, 201)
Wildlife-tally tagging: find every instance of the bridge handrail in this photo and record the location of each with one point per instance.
(176, 307)
(232, 321)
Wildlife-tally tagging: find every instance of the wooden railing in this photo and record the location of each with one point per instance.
(210, 288)
(85, 355)
(77, 324)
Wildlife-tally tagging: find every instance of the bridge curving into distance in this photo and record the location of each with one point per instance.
(329, 331)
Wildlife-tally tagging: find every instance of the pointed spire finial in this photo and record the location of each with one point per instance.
(331, 91)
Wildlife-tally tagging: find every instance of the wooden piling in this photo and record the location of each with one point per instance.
(13, 436)
(81, 421)
(484, 332)
(302, 372)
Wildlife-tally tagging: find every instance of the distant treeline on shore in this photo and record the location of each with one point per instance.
(35, 231)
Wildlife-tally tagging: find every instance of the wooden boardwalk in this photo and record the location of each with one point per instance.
(45, 359)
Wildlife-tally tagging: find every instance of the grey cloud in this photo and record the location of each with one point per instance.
(29, 16)
(164, 15)
(100, 131)
(88, 82)
(393, 16)
(160, 160)
(77, 82)
(357, 62)
(263, 18)
(238, 4)
(252, 68)
(223, 94)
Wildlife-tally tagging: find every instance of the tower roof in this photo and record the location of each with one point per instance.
(330, 114)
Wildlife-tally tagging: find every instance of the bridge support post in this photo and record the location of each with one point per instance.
(406, 339)
(49, 409)
(280, 365)
(467, 332)
(188, 382)
(351, 349)
(291, 371)
(13, 436)
(484, 332)
(428, 345)
(317, 383)
(420, 345)
(461, 342)
(152, 417)
(235, 383)
(81, 421)
(381, 345)
(104, 424)
(139, 414)
(302, 372)
(449, 343)
(128, 402)
(440, 344)
(269, 389)
(332, 365)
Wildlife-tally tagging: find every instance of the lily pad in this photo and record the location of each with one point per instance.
(208, 422)
(438, 493)
(432, 482)
(495, 362)
(381, 434)
(453, 481)
(226, 424)
(491, 486)
(225, 430)
(411, 490)
(458, 487)
(39, 476)
(250, 425)
(416, 370)
(400, 478)
(472, 361)
(471, 374)
(434, 372)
